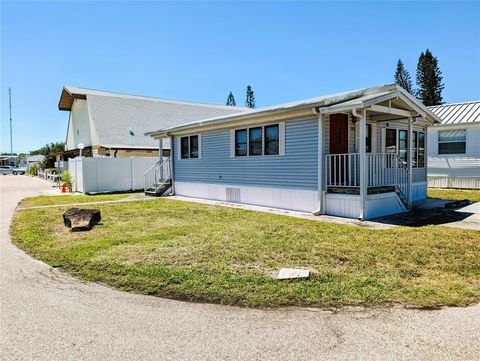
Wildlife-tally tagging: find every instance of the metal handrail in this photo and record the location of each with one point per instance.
(158, 174)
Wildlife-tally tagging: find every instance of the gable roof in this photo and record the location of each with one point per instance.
(359, 98)
(115, 116)
(456, 113)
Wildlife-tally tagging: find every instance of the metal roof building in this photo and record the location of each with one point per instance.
(456, 113)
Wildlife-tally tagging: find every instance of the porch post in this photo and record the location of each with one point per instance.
(321, 159)
(160, 149)
(409, 160)
(363, 164)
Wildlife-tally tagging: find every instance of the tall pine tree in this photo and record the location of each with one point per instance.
(402, 77)
(231, 100)
(429, 79)
(250, 100)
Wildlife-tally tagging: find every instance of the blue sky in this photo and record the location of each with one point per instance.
(200, 51)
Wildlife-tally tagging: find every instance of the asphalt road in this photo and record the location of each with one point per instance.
(47, 315)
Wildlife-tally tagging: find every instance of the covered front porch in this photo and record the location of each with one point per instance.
(372, 155)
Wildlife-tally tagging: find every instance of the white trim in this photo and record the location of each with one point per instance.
(232, 143)
(281, 138)
(199, 146)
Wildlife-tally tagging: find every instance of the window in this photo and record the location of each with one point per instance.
(418, 146)
(184, 145)
(189, 147)
(255, 141)
(194, 146)
(368, 139)
(402, 145)
(452, 141)
(391, 141)
(414, 149)
(241, 143)
(271, 140)
(421, 149)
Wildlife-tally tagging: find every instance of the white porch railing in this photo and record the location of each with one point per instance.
(343, 170)
(387, 169)
(158, 175)
(383, 169)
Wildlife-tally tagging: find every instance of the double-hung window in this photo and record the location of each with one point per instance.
(240, 143)
(272, 140)
(257, 141)
(452, 141)
(189, 147)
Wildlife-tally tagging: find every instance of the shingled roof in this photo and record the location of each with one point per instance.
(113, 115)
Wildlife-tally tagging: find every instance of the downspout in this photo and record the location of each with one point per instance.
(320, 165)
(172, 164)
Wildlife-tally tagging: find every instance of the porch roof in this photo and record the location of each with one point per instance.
(355, 99)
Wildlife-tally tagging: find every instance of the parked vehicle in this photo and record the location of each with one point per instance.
(7, 169)
(20, 170)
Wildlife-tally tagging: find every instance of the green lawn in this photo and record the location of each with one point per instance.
(69, 199)
(216, 254)
(454, 194)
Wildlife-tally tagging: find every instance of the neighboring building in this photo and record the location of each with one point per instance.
(345, 154)
(454, 146)
(113, 125)
(32, 160)
(9, 160)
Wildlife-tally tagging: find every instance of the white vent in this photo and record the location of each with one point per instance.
(233, 195)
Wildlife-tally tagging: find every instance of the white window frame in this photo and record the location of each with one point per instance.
(179, 155)
(397, 143)
(281, 141)
(439, 142)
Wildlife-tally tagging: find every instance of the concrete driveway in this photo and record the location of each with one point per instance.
(47, 315)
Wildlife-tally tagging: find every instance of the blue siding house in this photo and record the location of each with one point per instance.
(358, 154)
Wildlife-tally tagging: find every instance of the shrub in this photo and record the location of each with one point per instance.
(67, 179)
(33, 170)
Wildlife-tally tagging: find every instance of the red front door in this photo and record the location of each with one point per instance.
(339, 166)
(338, 133)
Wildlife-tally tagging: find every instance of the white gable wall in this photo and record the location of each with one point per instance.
(80, 125)
(454, 170)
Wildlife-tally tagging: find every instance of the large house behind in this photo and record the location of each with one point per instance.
(345, 154)
(114, 125)
(454, 146)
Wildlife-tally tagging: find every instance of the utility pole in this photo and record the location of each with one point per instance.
(10, 106)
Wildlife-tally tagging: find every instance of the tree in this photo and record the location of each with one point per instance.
(250, 100)
(429, 79)
(48, 149)
(231, 100)
(402, 77)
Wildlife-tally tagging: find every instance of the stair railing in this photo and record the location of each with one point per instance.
(158, 174)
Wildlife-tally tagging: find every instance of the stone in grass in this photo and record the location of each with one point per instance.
(291, 273)
(81, 219)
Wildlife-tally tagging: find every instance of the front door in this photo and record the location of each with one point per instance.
(338, 133)
(339, 166)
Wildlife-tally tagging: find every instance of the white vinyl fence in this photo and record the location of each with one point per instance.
(92, 175)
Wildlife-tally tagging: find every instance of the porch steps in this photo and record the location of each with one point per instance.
(157, 191)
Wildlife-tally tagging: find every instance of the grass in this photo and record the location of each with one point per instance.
(69, 199)
(454, 194)
(215, 254)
